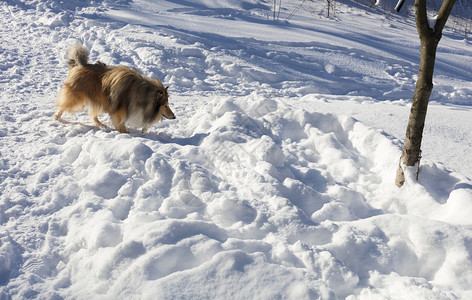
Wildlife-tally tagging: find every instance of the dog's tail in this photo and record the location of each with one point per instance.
(77, 55)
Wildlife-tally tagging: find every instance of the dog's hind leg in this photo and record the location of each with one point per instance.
(94, 115)
(68, 101)
(118, 118)
(97, 122)
(59, 113)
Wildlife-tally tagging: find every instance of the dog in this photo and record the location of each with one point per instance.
(122, 92)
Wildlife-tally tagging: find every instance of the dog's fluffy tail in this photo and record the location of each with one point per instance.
(77, 55)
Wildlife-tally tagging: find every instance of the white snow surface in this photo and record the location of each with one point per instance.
(276, 180)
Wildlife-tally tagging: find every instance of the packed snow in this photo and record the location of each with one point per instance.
(276, 180)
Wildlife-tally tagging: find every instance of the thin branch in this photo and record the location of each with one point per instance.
(294, 11)
(280, 5)
(275, 7)
(443, 14)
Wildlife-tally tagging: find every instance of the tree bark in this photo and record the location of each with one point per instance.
(429, 39)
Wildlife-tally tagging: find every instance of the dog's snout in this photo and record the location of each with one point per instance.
(170, 116)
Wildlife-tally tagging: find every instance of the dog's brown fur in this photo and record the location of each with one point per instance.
(122, 92)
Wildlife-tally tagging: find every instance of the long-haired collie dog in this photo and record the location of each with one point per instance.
(123, 93)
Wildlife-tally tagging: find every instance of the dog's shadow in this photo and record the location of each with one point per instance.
(161, 137)
(164, 138)
(86, 127)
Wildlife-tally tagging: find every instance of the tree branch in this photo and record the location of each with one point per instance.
(443, 14)
(422, 18)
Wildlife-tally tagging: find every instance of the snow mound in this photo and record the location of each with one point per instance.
(246, 196)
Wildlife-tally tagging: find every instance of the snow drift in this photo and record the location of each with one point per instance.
(248, 197)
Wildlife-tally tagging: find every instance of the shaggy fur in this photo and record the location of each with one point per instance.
(123, 93)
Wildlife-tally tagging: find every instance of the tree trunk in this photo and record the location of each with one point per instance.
(429, 38)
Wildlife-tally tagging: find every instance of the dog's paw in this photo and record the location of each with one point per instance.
(58, 115)
(123, 130)
(100, 124)
(97, 122)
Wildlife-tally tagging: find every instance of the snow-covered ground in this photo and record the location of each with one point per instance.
(276, 180)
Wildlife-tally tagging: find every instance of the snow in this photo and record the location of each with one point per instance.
(276, 180)
(432, 21)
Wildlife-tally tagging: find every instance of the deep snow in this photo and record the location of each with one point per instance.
(275, 181)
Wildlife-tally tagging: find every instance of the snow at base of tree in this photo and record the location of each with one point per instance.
(276, 180)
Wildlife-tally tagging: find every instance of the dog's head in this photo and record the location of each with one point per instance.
(163, 99)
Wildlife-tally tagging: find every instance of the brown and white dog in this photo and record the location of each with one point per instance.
(122, 92)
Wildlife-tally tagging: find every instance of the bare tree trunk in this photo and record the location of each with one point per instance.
(429, 38)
